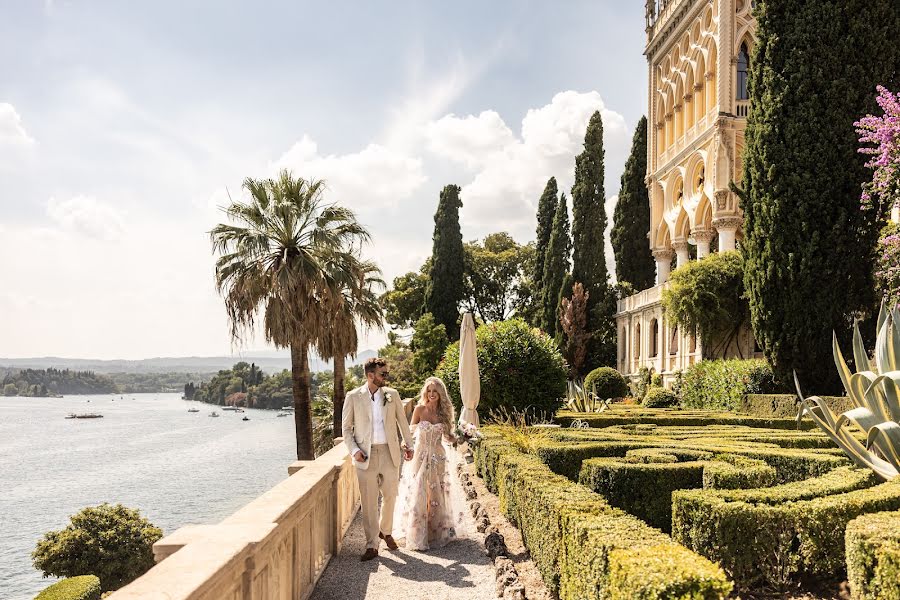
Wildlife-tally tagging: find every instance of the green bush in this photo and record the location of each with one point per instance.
(787, 405)
(873, 556)
(520, 368)
(82, 587)
(722, 384)
(110, 541)
(606, 382)
(583, 547)
(640, 383)
(663, 417)
(775, 542)
(732, 472)
(659, 397)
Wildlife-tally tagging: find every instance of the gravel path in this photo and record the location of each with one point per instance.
(459, 570)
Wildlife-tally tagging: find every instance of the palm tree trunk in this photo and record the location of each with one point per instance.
(302, 404)
(339, 372)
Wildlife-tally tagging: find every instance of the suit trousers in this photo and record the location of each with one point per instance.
(384, 476)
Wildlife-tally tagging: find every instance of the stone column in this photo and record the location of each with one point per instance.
(681, 252)
(663, 259)
(703, 237)
(727, 228)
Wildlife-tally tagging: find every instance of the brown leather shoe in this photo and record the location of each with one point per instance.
(389, 540)
(369, 554)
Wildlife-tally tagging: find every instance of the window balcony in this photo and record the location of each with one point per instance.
(742, 108)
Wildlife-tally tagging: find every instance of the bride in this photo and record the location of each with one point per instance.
(431, 504)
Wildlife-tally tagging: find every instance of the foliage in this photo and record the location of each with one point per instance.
(875, 391)
(722, 384)
(110, 541)
(808, 246)
(263, 391)
(292, 256)
(883, 133)
(887, 264)
(545, 215)
(589, 244)
(520, 369)
(42, 383)
(82, 587)
(582, 399)
(428, 344)
(494, 272)
(708, 296)
(631, 218)
(573, 318)
(404, 303)
(786, 405)
(640, 383)
(404, 376)
(606, 382)
(659, 397)
(873, 556)
(556, 265)
(445, 287)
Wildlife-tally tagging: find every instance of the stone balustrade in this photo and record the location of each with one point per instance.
(276, 547)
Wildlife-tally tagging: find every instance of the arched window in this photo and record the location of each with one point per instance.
(636, 341)
(743, 64)
(673, 342)
(654, 337)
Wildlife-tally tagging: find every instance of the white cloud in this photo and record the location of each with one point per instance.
(503, 192)
(12, 131)
(375, 177)
(88, 216)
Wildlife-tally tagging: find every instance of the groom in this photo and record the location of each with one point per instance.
(373, 421)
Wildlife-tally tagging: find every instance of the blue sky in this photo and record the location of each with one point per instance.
(124, 125)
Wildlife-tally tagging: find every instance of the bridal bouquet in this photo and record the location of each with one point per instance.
(468, 433)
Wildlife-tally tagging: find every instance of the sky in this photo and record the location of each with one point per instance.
(126, 126)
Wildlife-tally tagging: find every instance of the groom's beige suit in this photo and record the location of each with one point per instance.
(381, 469)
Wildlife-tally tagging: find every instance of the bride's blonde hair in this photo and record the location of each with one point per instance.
(445, 412)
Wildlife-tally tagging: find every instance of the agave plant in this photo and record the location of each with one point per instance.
(875, 391)
(580, 400)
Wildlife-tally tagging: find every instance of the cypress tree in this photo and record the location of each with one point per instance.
(588, 245)
(556, 266)
(445, 288)
(808, 245)
(631, 218)
(545, 214)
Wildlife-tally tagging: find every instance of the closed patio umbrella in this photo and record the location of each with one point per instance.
(469, 380)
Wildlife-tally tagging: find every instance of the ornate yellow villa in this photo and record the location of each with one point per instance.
(698, 55)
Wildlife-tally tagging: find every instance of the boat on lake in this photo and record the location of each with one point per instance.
(84, 416)
(193, 410)
(234, 408)
(287, 408)
(283, 414)
(246, 418)
(214, 414)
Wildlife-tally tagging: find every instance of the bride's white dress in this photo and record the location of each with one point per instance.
(430, 502)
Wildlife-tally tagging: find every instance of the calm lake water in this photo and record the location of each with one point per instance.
(147, 452)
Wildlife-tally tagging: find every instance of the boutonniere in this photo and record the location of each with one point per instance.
(387, 398)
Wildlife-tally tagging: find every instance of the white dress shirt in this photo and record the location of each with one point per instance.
(377, 401)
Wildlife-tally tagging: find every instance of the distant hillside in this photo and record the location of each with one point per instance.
(54, 382)
(268, 362)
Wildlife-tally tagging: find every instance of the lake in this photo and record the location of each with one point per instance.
(147, 452)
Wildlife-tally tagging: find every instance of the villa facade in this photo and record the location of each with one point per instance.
(698, 53)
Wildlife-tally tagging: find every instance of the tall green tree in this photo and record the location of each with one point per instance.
(445, 288)
(359, 306)
(808, 245)
(403, 304)
(556, 266)
(631, 218)
(288, 254)
(588, 245)
(546, 211)
(428, 344)
(495, 275)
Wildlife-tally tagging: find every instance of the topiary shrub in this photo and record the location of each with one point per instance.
(83, 587)
(659, 397)
(640, 383)
(606, 382)
(520, 368)
(722, 384)
(110, 541)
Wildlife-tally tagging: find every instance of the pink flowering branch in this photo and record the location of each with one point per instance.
(881, 136)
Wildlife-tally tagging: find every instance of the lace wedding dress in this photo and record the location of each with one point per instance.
(431, 503)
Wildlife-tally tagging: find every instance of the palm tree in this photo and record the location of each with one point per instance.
(360, 305)
(289, 254)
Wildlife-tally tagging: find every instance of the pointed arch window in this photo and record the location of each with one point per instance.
(743, 66)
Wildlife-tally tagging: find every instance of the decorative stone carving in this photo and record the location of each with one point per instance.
(721, 199)
(731, 222)
(702, 235)
(663, 254)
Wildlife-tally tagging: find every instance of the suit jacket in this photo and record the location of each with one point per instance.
(356, 424)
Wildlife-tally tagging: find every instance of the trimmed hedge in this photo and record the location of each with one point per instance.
(659, 397)
(722, 384)
(82, 587)
(786, 405)
(670, 417)
(777, 541)
(609, 383)
(583, 547)
(873, 556)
